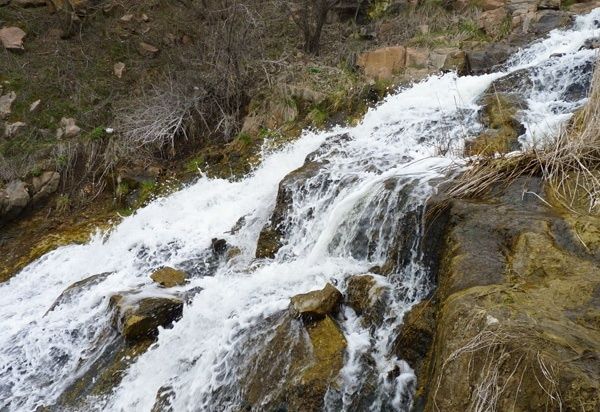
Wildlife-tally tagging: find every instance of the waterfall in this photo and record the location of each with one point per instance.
(364, 200)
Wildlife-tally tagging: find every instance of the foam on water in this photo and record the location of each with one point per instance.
(372, 182)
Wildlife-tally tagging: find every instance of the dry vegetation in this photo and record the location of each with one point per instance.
(569, 163)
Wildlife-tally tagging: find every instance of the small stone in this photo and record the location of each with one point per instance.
(127, 18)
(34, 105)
(219, 246)
(118, 69)
(147, 49)
(317, 304)
(12, 38)
(70, 129)
(168, 277)
(11, 129)
(6, 102)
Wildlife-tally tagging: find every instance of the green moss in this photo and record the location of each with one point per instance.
(317, 116)
(244, 138)
(378, 9)
(195, 163)
(98, 133)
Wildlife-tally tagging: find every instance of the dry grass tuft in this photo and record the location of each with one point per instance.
(568, 164)
(497, 367)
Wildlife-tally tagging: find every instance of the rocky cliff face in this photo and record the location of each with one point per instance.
(516, 309)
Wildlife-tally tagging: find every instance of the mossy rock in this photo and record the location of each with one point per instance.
(168, 277)
(502, 128)
(517, 309)
(316, 304)
(269, 240)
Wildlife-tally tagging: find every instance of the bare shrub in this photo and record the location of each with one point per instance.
(157, 117)
(310, 16)
(206, 98)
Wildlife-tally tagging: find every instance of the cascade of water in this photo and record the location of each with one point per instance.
(364, 200)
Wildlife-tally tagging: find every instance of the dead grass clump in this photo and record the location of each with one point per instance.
(503, 364)
(569, 164)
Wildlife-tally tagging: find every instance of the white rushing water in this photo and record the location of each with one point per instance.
(345, 218)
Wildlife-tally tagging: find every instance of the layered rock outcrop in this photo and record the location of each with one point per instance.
(514, 321)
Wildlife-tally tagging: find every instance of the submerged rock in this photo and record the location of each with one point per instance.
(269, 240)
(367, 298)
(78, 287)
(168, 277)
(503, 129)
(317, 304)
(139, 318)
(295, 367)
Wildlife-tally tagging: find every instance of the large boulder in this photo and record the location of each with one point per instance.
(384, 63)
(139, 318)
(317, 304)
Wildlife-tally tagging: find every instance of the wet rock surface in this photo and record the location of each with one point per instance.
(367, 298)
(515, 309)
(139, 318)
(317, 304)
(269, 241)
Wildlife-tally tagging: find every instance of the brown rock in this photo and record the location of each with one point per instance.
(382, 64)
(317, 304)
(168, 277)
(119, 69)
(417, 58)
(140, 318)
(12, 129)
(147, 49)
(367, 298)
(6, 102)
(491, 21)
(12, 38)
(44, 185)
